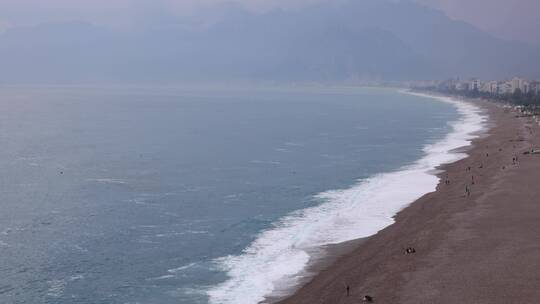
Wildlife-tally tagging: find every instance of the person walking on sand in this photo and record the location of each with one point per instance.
(348, 290)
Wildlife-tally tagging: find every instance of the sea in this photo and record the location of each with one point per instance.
(204, 194)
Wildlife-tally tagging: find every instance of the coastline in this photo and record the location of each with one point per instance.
(312, 238)
(451, 232)
(472, 125)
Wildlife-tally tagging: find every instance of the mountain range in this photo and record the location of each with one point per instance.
(327, 42)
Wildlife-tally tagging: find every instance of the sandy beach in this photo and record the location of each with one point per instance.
(476, 239)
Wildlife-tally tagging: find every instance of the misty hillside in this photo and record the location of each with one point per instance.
(366, 40)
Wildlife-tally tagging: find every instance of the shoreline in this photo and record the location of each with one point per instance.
(310, 238)
(378, 266)
(323, 258)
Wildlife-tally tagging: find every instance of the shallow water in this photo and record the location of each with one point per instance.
(168, 195)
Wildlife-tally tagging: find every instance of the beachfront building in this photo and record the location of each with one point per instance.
(524, 86)
(505, 88)
(491, 87)
(448, 85)
(496, 87)
(485, 87)
(474, 84)
(462, 86)
(521, 84)
(534, 87)
(515, 84)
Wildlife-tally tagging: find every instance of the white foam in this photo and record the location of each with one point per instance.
(265, 162)
(163, 277)
(280, 255)
(182, 268)
(108, 181)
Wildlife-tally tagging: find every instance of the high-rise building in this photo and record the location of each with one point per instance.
(515, 83)
(474, 84)
(534, 87)
(506, 88)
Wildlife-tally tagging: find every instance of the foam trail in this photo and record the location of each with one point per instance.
(280, 255)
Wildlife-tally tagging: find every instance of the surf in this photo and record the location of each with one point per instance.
(279, 256)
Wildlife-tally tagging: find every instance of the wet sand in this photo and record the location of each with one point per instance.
(482, 248)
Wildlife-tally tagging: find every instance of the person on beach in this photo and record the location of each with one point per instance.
(472, 179)
(348, 290)
(410, 250)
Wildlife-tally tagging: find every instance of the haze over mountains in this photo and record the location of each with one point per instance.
(329, 42)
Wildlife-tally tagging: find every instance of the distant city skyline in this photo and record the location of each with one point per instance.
(512, 20)
(491, 86)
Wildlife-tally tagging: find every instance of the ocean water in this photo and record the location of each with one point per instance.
(203, 195)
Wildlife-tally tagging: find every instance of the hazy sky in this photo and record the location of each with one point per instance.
(117, 12)
(511, 19)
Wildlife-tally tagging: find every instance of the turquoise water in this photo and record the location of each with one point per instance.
(136, 195)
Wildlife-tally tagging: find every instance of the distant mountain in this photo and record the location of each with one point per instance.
(452, 47)
(330, 42)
